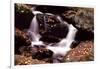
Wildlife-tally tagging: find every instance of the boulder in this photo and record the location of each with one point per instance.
(40, 52)
(81, 18)
(21, 39)
(83, 52)
(51, 26)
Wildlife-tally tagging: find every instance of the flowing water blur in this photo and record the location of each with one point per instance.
(60, 49)
(34, 30)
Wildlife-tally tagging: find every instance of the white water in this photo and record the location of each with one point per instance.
(59, 49)
(34, 30)
(59, 18)
(64, 45)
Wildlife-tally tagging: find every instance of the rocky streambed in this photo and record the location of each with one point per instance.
(53, 34)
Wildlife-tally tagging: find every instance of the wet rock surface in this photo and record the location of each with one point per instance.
(83, 52)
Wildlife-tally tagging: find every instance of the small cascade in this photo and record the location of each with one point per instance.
(60, 49)
(64, 45)
(34, 30)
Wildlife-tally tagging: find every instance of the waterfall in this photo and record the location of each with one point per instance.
(64, 45)
(70, 36)
(34, 30)
(60, 49)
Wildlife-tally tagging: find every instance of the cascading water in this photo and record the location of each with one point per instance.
(60, 48)
(63, 46)
(34, 30)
